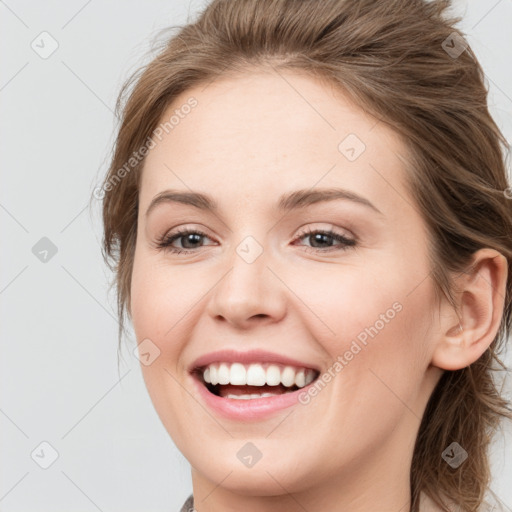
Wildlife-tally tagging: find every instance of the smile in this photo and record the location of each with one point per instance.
(252, 381)
(251, 385)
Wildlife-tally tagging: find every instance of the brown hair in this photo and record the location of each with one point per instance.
(399, 61)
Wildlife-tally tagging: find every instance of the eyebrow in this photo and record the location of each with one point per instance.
(296, 200)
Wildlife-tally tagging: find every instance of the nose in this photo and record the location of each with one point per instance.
(248, 293)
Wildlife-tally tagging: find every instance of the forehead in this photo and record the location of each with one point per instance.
(266, 132)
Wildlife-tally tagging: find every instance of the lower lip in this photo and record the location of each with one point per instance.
(250, 409)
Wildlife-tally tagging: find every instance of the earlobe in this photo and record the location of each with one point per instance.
(465, 335)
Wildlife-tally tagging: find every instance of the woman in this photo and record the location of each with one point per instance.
(310, 225)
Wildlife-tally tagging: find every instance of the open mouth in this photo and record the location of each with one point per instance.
(250, 381)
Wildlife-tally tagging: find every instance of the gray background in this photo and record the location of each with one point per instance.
(59, 377)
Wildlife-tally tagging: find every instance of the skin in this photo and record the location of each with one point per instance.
(250, 139)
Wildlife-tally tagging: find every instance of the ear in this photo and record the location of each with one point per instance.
(480, 297)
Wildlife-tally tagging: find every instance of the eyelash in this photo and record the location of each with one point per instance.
(165, 241)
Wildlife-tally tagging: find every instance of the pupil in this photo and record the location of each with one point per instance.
(320, 237)
(188, 239)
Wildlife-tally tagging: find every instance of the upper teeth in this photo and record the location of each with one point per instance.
(255, 374)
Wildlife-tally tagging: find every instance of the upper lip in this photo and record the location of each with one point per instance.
(247, 357)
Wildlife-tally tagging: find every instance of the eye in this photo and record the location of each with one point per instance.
(323, 237)
(190, 237)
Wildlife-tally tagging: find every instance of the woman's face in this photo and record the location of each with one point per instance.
(267, 282)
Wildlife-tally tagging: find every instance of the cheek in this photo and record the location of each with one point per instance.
(376, 318)
(376, 338)
(162, 299)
